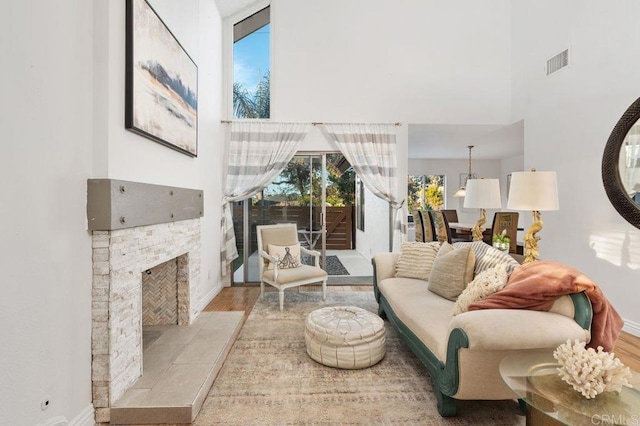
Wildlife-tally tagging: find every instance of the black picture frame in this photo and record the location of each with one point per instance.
(161, 84)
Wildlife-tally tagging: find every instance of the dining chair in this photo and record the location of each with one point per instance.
(440, 226)
(508, 221)
(451, 215)
(419, 226)
(280, 260)
(426, 223)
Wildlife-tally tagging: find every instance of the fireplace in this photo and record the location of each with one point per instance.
(163, 287)
(122, 256)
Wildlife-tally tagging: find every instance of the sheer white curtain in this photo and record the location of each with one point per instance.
(371, 150)
(630, 161)
(257, 153)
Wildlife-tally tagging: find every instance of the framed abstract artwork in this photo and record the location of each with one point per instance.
(161, 87)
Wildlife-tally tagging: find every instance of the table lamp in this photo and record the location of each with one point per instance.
(535, 191)
(482, 194)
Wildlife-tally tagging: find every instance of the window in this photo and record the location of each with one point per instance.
(425, 192)
(251, 66)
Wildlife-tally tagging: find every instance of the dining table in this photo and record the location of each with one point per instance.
(468, 226)
(463, 229)
(462, 226)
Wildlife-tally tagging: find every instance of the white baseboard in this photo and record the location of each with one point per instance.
(632, 328)
(85, 418)
(209, 297)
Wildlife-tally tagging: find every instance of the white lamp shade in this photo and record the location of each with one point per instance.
(460, 192)
(483, 194)
(533, 191)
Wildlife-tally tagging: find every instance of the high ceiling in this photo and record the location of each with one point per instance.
(450, 141)
(440, 141)
(229, 7)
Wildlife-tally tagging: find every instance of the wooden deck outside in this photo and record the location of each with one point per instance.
(340, 229)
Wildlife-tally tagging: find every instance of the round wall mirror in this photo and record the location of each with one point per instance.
(621, 165)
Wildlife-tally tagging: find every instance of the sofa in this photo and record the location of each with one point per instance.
(462, 352)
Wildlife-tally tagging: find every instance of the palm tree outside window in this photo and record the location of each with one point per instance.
(251, 66)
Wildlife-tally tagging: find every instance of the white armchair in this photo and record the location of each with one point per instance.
(277, 271)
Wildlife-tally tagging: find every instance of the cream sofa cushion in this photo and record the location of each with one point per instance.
(416, 259)
(452, 270)
(426, 314)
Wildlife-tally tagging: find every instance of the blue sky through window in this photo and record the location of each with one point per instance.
(251, 58)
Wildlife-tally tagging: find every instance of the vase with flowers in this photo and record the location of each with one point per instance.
(501, 241)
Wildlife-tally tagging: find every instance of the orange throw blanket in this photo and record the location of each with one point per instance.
(537, 285)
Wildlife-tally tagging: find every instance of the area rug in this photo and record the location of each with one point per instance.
(269, 379)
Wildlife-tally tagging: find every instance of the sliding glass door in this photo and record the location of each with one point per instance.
(316, 191)
(297, 195)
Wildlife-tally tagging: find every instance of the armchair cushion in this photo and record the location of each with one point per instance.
(303, 272)
(288, 256)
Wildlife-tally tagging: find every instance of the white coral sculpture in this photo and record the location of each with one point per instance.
(591, 372)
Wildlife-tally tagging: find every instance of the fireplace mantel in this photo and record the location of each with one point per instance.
(117, 204)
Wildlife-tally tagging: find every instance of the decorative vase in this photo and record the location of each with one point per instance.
(501, 246)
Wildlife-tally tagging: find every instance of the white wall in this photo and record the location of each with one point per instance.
(45, 253)
(404, 61)
(62, 123)
(568, 119)
(381, 61)
(197, 26)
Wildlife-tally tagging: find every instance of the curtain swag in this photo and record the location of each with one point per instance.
(371, 150)
(257, 153)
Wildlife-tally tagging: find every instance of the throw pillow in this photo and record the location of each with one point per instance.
(288, 256)
(487, 257)
(484, 284)
(416, 259)
(452, 270)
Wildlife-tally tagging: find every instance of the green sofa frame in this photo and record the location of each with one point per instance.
(444, 376)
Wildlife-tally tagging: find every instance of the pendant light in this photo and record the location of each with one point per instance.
(462, 191)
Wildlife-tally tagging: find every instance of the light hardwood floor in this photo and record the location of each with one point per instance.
(242, 298)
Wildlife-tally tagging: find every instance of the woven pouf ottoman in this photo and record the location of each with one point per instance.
(345, 337)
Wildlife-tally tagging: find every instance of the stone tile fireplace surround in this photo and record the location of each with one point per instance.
(120, 257)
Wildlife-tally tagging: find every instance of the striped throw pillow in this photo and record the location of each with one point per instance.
(488, 257)
(416, 259)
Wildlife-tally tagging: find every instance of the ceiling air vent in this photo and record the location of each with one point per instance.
(558, 62)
